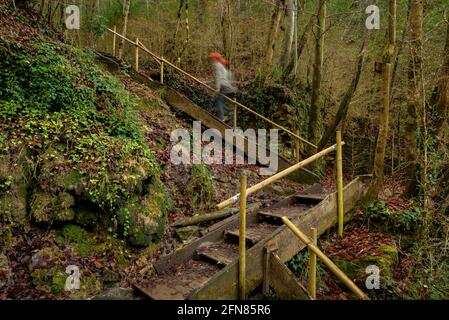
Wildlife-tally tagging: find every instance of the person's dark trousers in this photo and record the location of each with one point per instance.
(220, 105)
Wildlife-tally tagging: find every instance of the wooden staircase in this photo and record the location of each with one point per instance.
(207, 268)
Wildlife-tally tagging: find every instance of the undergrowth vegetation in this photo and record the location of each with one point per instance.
(69, 137)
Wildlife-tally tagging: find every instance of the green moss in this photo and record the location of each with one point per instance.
(87, 216)
(143, 218)
(48, 207)
(386, 261)
(89, 286)
(71, 181)
(13, 189)
(201, 188)
(83, 242)
(187, 232)
(58, 282)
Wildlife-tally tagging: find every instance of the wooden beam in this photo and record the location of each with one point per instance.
(205, 217)
(284, 282)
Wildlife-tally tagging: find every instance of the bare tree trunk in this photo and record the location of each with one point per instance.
(226, 29)
(442, 95)
(290, 37)
(382, 136)
(178, 23)
(399, 51)
(315, 117)
(344, 104)
(187, 39)
(274, 30)
(415, 98)
(126, 6)
(300, 45)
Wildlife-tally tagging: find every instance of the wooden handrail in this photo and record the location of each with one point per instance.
(277, 176)
(163, 60)
(328, 262)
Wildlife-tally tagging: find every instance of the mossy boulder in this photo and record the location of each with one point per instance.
(13, 189)
(201, 188)
(82, 241)
(72, 181)
(47, 207)
(46, 269)
(5, 270)
(186, 233)
(144, 217)
(386, 259)
(87, 216)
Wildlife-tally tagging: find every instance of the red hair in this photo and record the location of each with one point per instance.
(218, 57)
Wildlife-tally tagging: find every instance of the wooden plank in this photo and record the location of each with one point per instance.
(220, 252)
(254, 233)
(291, 212)
(177, 284)
(205, 217)
(284, 282)
(223, 285)
(189, 251)
(309, 198)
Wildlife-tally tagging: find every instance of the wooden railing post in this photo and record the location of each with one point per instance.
(312, 265)
(137, 54)
(235, 114)
(162, 70)
(242, 239)
(114, 41)
(297, 148)
(339, 157)
(328, 262)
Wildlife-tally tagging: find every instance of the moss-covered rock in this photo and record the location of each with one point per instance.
(13, 189)
(144, 217)
(87, 216)
(72, 181)
(386, 259)
(46, 269)
(82, 241)
(201, 188)
(5, 270)
(186, 233)
(47, 207)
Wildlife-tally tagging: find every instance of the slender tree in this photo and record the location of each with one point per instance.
(315, 117)
(411, 152)
(274, 30)
(290, 36)
(226, 27)
(346, 100)
(441, 102)
(382, 136)
(126, 6)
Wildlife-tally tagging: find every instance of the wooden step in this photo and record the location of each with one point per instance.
(291, 211)
(309, 198)
(177, 284)
(254, 232)
(221, 253)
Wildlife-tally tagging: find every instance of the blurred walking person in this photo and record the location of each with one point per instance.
(223, 84)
